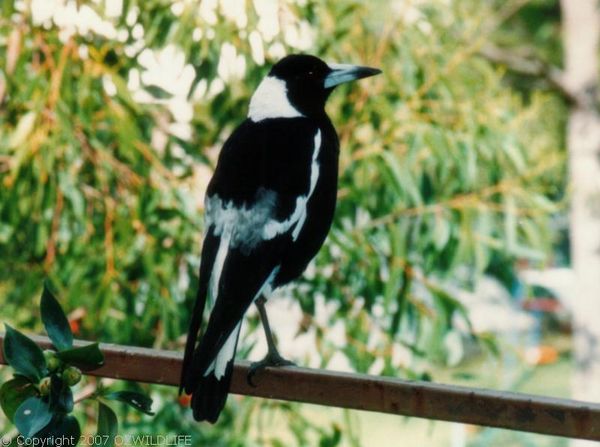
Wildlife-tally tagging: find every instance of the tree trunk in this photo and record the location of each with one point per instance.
(581, 32)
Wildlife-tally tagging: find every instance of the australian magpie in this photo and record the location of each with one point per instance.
(268, 209)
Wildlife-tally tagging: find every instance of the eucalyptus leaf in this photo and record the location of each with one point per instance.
(442, 232)
(158, 92)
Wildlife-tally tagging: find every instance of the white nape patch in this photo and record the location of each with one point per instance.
(298, 217)
(270, 101)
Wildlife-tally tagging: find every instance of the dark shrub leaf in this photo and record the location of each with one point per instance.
(55, 321)
(32, 416)
(139, 401)
(24, 355)
(13, 393)
(62, 426)
(61, 396)
(107, 424)
(86, 357)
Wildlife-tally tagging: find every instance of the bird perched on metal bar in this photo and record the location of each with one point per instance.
(269, 207)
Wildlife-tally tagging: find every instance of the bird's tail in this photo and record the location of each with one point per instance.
(186, 380)
(208, 365)
(208, 381)
(212, 387)
(194, 363)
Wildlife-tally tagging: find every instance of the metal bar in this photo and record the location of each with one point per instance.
(514, 411)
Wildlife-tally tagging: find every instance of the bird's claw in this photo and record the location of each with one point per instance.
(271, 359)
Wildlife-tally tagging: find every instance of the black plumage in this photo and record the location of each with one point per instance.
(269, 207)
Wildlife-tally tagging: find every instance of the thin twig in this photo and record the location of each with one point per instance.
(88, 391)
(531, 67)
(51, 250)
(467, 200)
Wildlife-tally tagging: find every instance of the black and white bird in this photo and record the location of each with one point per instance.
(268, 209)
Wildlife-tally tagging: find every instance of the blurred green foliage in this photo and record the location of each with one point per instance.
(446, 173)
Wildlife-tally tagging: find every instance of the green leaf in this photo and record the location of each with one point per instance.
(515, 155)
(24, 355)
(333, 439)
(32, 416)
(441, 231)
(23, 130)
(403, 177)
(124, 94)
(61, 396)
(55, 320)
(86, 357)
(69, 427)
(137, 400)
(62, 426)
(107, 424)
(490, 342)
(158, 92)
(13, 393)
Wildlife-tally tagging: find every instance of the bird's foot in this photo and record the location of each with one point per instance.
(271, 359)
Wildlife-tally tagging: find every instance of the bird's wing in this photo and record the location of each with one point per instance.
(255, 207)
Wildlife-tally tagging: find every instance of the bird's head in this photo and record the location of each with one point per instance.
(299, 85)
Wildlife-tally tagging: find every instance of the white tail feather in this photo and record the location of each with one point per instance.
(225, 355)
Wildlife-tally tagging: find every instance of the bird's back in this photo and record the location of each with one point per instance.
(277, 155)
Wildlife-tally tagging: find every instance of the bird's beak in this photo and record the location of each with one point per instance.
(345, 73)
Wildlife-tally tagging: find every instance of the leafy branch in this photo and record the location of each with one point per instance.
(38, 400)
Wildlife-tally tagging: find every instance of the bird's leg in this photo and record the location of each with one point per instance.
(273, 358)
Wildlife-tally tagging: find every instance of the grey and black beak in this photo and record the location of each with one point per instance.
(345, 73)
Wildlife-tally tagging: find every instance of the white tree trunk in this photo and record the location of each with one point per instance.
(581, 32)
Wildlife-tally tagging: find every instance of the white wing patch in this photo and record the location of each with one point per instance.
(298, 217)
(240, 226)
(215, 276)
(314, 176)
(270, 101)
(245, 227)
(236, 227)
